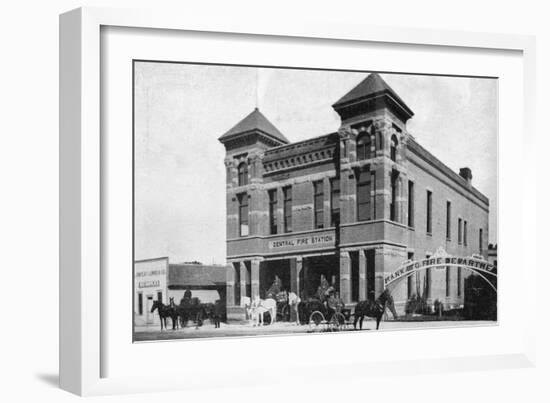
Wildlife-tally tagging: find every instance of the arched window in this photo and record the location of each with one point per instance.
(363, 146)
(243, 173)
(393, 149)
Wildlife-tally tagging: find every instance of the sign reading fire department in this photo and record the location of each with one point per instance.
(312, 240)
(441, 260)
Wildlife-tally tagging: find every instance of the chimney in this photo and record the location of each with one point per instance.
(466, 173)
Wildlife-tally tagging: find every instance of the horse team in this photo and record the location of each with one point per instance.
(190, 309)
(257, 308)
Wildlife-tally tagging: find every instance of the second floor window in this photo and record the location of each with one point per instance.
(393, 148)
(273, 211)
(363, 196)
(318, 203)
(363, 146)
(460, 231)
(334, 202)
(448, 220)
(411, 204)
(393, 202)
(465, 235)
(480, 241)
(243, 214)
(243, 173)
(287, 208)
(428, 212)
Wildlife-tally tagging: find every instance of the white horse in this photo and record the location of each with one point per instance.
(293, 301)
(261, 306)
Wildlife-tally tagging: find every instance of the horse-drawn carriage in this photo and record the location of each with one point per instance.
(189, 310)
(328, 319)
(327, 312)
(324, 313)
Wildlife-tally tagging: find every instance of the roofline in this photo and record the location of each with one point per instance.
(299, 142)
(374, 95)
(446, 170)
(224, 138)
(210, 287)
(151, 259)
(196, 264)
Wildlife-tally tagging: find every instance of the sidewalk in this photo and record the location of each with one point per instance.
(281, 328)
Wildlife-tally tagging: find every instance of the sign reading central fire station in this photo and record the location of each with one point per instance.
(312, 240)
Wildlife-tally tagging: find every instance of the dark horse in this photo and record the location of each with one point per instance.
(374, 309)
(165, 311)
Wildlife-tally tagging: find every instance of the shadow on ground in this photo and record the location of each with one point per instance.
(49, 379)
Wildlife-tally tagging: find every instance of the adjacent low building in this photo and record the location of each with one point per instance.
(158, 280)
(150, 284)
(351, 205)
(206, 282)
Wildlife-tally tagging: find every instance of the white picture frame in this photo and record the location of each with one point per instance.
(82, 344)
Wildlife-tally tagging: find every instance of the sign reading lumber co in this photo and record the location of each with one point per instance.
(311, 240)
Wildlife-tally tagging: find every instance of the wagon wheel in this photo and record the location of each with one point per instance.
(316, 321)
(337, 322)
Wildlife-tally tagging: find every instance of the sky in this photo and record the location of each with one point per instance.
(182, 109)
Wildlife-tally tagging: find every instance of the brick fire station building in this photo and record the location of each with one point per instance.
(352, 205)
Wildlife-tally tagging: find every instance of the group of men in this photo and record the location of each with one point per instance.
(326, 293)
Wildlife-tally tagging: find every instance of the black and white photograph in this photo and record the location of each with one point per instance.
(224, 201)
(272, 201)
